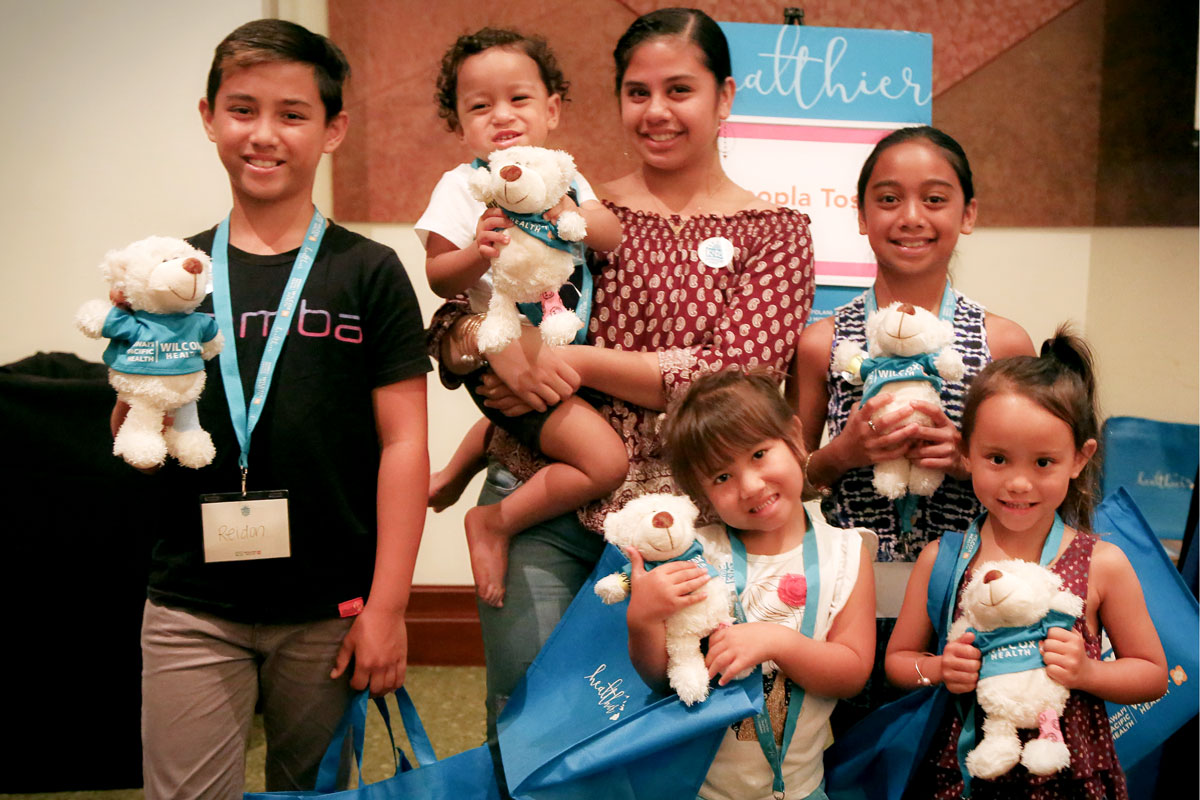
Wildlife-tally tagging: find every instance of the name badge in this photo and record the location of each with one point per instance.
(246, 527)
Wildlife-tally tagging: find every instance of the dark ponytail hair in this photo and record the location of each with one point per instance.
(690, 24)
(1061, 380)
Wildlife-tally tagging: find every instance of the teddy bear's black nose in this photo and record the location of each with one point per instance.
(662, 520)
(193, 266)
(992, 575)
(511, 172)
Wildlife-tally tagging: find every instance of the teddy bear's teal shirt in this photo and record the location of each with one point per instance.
(142, 343)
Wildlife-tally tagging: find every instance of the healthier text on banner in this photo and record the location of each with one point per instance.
(811, 103)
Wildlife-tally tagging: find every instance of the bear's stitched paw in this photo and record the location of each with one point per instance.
(1045, 756)
(690, 680)
(494, 334)
(572, 226)
(612, 588)
(560, 328)
(89, 319)
(141, 449)
(924, 481)
(891, 478)
(994, 756)
(193, 448)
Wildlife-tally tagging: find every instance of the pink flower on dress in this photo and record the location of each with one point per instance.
(793, 589)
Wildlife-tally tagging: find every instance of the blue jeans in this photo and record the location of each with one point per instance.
(547, 565)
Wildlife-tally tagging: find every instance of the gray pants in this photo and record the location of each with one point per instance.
(547, 565)
(201, 677)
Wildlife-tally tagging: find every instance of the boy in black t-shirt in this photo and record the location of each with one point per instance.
(342, 431)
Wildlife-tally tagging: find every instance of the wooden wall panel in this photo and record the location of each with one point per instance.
(1038, 91)
(1030, 123)
(1147, 165)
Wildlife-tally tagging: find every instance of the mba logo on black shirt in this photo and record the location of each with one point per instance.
(312, 322)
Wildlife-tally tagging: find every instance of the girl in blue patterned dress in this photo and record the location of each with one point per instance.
(915, 198)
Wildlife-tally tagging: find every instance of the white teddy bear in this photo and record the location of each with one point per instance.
(157, 348)
(662, 528)
(526, 182)
(1009, 606)
(910, 354)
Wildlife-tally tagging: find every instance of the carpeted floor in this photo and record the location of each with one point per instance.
(449, 700)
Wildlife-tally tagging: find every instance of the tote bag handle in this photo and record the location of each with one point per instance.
(354, 722)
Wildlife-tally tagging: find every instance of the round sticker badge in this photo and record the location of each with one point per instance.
(716, 252)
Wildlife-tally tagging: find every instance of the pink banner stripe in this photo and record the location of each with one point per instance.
(848, 269)
(804, 133)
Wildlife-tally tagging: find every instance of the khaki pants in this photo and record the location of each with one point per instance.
(201, 677)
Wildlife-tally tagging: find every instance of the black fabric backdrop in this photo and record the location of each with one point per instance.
(73, 581)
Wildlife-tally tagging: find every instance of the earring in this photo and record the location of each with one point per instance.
(723, 141)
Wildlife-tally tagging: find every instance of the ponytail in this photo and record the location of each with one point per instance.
(1073, 353)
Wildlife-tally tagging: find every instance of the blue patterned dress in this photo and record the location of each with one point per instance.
(853, 501)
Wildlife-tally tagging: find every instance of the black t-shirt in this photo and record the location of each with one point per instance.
(357, 327)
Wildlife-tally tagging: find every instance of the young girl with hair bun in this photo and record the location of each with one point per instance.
(1029, 440)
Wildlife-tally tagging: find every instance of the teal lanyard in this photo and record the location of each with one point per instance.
(906, 506)
(970, 545)
(246, 418)
(945, 310)
(808, 623)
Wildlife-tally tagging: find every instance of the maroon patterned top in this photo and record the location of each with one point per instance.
(1094, 773)
(654, 294)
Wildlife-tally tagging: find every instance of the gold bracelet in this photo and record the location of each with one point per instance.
(921, 679)
(464, 346)
(823, 491)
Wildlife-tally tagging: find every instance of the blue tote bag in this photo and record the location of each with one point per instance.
(582, 723)
(1140, 729)
(466, 776)
(1156, 463)
(875, 759)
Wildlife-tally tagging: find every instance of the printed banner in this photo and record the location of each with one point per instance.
(811, 103)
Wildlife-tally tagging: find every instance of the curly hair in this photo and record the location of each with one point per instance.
(472, 44)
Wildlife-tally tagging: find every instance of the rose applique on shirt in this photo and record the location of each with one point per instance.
(793, 590)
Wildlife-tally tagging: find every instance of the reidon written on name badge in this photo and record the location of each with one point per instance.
(245, 527)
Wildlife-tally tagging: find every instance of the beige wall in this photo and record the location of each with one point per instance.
(1142, 321)
(106, 147)
(102, 145)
